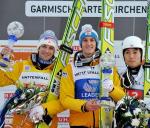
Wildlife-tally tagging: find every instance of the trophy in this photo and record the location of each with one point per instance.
(15, 30)
(107, 63)
(107, 105)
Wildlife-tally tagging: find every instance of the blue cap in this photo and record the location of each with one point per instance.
(88, 31)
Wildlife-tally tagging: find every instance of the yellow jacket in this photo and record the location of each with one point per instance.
(67, 98)
(12, 77)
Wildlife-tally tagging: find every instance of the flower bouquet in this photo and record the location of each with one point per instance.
(132, 113)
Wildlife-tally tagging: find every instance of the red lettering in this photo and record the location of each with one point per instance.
(63, 119)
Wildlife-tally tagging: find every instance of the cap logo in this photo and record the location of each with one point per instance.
(46, 38)
(50, 42)
(131, 45)
(88, 31)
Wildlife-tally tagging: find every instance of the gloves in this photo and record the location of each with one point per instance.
(36, 114)
(108, 85)
(7, 53)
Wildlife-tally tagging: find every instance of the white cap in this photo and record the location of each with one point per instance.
(132, 42)
(48, 38)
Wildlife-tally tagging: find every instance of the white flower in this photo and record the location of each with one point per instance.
(132, 111)
(128, 114)
(147, 103)
(135, 122)
(137, 111)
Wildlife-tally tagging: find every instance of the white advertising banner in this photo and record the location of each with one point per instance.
(93, 8)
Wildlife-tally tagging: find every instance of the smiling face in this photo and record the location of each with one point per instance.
(132, 57)
(88, 46)
(46, 52)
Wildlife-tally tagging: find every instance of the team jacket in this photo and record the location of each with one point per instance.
(76, 83)
(134, 85)
(26, 73)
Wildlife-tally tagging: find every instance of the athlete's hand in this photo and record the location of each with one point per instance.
(6, 50)
(7, 53)
(36, 114)
(91, 105)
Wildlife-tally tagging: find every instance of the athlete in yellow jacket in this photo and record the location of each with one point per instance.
(80, 83)
(34, 71)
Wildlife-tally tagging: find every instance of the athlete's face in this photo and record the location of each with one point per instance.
(132, 57)
(46, 52)
(88, 46)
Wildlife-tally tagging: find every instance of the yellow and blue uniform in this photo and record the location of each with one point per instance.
(26, 73)
(79, 84)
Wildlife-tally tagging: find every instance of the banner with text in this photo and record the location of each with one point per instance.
(93, 8)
